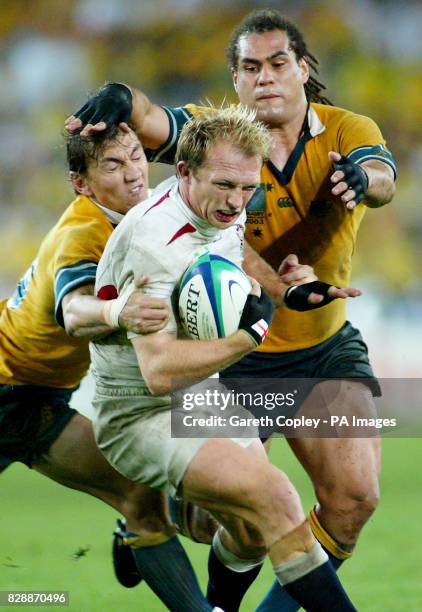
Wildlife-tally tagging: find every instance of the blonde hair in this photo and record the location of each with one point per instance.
(235, 124)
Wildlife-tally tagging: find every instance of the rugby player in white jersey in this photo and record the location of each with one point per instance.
(44, 332)
(219, 160)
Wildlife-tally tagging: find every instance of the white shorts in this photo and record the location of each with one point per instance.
(133, 431)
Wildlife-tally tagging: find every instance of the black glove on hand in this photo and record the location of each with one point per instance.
(354, 176)
(111, 104)
(296, 298)
(257, 316)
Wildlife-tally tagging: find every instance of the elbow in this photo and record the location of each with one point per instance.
(157, 383)
(158, 387)
(392, 192)
(70, 326)
(382, 196)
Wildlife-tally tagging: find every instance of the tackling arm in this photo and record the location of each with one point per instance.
(292, 274)
(86, 316)
(117, 103)
(83, 313)
(149, 120)
(258, 268)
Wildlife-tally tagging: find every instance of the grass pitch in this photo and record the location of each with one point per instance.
(44, 529)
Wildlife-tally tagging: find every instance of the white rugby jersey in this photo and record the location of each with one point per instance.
(159, 238)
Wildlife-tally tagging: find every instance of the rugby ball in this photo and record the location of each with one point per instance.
(212, 294)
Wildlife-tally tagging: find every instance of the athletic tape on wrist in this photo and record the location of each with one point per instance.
(113, 308)
(106, 312)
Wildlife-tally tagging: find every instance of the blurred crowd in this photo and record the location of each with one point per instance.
(55, 53)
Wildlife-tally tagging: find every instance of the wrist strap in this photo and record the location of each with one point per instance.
(106, 313)
(113, 308)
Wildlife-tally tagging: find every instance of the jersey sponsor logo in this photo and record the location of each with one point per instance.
(285, 203)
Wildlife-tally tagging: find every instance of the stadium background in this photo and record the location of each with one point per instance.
(52, 55)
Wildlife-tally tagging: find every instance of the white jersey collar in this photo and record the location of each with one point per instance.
(201, 225)
(112, 215)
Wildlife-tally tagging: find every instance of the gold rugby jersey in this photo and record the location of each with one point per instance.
(293, 211)
(34, 347)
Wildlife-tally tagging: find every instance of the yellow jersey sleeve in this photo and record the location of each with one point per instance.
(34, 348)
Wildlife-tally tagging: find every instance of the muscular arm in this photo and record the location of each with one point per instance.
(149, 120)
(258, 268)
(83, 313)
(290, 273)
(164, 359)
(381, 185)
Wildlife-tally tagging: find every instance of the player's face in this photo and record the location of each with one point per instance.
(269, 78)
(219, 190)
(119, 178)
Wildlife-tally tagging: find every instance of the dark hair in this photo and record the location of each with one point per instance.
(268, 20)
(79, 150)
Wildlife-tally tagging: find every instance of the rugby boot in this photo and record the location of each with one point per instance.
(124, 564)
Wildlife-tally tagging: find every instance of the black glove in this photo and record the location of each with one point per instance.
(296, 297)
(354, 176)
(257, 316)
(111, 104)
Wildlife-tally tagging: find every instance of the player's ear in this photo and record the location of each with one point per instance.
(79, 184)
(234, 77)
(183, 171)
(304, 68)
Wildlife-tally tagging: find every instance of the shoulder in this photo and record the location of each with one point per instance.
(83, 216)
(335, 117)
(80, 235)
(346, 131)
(143, 228)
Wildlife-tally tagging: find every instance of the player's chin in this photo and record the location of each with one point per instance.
(270, 113)
(222, 220)
(135, 199)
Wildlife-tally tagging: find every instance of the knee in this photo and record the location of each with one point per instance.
(248, 543)
(277, 501)
(357, 500)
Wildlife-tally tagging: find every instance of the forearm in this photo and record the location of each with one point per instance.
(258, 268)
(149, 120)
(178, 361)
(381, 186)
(84, 318)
